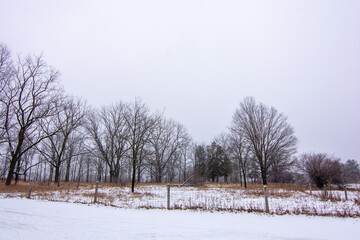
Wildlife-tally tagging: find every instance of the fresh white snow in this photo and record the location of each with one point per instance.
(35, 219)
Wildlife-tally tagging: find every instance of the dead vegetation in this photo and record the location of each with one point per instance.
(207, 197)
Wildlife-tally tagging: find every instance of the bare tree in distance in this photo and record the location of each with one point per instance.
(68, 119)
(31, 97)
(186, 158)
(270, 137)
(240, 153)
(167, 139)
(140, 123)
(109, 133)
(322, 169)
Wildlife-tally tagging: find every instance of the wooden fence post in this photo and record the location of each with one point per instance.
(168, 196)
(96, 191)
(310, 190)
(346, 195)
(29, 195)
(266, 199)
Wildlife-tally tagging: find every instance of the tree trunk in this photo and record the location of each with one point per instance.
(105, 173)
(50, 175)
(138, 175)
(87, 170)
(15, 156)
(111, 173)
(133, 174)
(244, 175)
(79, 175)
(240, 174)
(264, 180)
(11, 171)
(68, 166)
(159, 178)
(17, 171)
(44, 173)
(57, 174)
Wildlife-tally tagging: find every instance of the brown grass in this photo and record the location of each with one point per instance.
(41, 190)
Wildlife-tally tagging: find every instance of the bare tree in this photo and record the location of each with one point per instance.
(7, 72)
(139, 124)
(114, 122)
(109, 133)
(167, 139)
(30, 98)
(271, 139)
(59, 148)
(240, 153)
(186, 159)
(322, 169)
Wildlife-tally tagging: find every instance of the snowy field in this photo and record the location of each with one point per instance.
(36, 219)
(209, 198)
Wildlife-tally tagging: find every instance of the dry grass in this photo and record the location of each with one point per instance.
(277, 190)
(112, 194)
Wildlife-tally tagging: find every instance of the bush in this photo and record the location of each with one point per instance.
(322, 170)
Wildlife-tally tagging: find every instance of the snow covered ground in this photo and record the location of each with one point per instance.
(36, 219)
(209, 198)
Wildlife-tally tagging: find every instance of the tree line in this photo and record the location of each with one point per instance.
(47, 135)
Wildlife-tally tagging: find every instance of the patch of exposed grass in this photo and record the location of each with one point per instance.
(211, 197)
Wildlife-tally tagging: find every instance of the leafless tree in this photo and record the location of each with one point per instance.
(30, 97)
(7, 72)
(271, 139)
(109, 133)
(240, 153)
(140, 123)
(166, 140)
(322, 169)
(58, 148)
(186, 159)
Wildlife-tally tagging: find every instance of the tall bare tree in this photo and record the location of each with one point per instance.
(7, 72)
(109, 133)
(167, 139)
(271, 138)
(31, 96)
(139, 124)
(186, 159)
(58, 148)
(239, 152)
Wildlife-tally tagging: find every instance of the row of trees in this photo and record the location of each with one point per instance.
(49, 136)
(44, 129)
(261, 144)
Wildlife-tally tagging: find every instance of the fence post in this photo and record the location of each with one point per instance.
(310, 190)
(96, 191)
(346, 195)
(29, 195)
(168, 196)
(266, 199)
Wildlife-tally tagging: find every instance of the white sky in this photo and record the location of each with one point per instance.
(199, 59)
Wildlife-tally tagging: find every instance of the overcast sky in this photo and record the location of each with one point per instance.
(197, 60)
